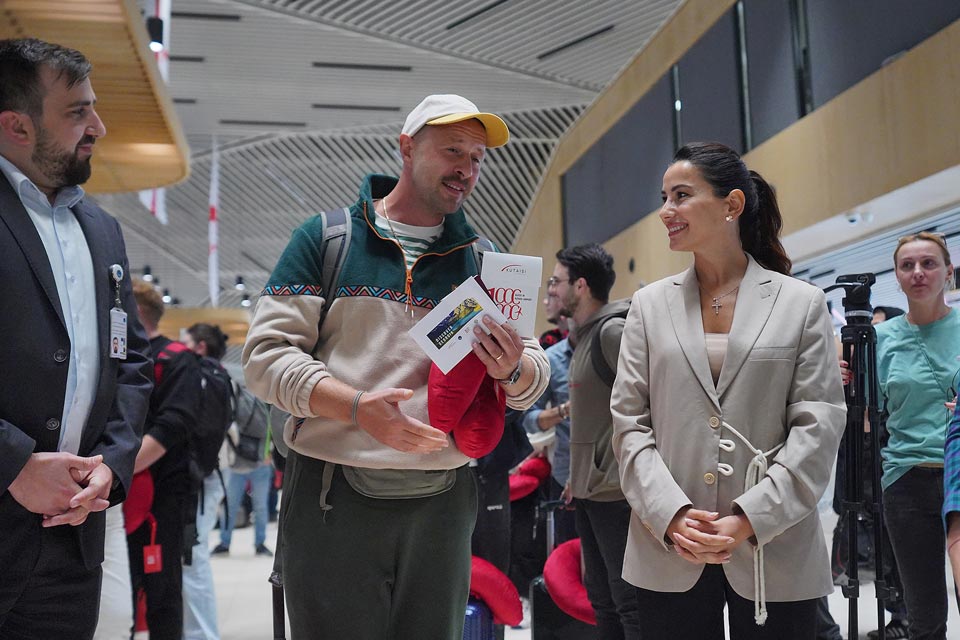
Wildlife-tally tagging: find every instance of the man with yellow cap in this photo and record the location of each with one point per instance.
(379, 506)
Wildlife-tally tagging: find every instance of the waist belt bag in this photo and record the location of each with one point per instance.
(399, 483)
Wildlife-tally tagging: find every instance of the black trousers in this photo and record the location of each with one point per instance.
(603, 539)
(911, 506)
(163, 589)
(491, 535)
(59, 598)
(697, 614)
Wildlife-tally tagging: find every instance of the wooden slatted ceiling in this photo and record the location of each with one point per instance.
(144, 146)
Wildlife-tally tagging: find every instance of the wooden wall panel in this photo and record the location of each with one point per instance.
(232, 321)
(542, 232)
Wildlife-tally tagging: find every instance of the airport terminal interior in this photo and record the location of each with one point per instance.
(231, 122)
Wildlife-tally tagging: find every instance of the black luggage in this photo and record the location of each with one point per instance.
(548, 621)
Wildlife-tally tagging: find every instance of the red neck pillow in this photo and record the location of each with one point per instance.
(561, 574)
(495, 589)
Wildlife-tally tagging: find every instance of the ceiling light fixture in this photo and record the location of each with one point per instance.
(167, 298)
(155, 31)
(245, 302)
(240, 286)
(147, 276)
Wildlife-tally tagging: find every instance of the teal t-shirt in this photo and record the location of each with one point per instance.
(916, 366)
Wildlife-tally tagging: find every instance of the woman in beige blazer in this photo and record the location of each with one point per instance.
(728, 411)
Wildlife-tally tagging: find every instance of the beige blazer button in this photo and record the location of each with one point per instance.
(709, 478)
(714, 422)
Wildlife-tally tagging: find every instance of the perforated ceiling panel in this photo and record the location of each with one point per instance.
(305, 97)
(270, 185)
(577, 42)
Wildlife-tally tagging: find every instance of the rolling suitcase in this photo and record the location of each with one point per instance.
(548, 621)
(478, 624)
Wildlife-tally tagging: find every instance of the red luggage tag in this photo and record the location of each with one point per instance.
(152, 555)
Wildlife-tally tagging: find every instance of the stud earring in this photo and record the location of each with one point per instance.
(729, 218)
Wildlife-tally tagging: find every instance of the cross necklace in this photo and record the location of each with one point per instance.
(717, 305)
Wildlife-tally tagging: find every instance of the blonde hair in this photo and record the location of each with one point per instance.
(936, 238)
(149, 301)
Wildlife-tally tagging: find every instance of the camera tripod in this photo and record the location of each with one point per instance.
(859, 341)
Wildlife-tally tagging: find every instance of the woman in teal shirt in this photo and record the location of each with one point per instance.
(917, 357)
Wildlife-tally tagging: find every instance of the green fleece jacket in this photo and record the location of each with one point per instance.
(363, 341)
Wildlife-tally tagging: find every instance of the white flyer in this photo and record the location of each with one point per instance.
(446, 333)
(513, 282)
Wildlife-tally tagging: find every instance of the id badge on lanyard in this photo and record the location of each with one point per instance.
(118, 318)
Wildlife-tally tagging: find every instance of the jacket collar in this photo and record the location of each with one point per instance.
(456, 230)
(755, 299)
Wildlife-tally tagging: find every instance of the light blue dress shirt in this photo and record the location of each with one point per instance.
(72, 268)
(556, 393)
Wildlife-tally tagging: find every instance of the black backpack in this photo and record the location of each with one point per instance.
(216, 414)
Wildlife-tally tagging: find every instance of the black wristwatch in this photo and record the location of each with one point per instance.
(515, 376)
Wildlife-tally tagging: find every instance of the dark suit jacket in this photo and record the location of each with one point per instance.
(34, 358)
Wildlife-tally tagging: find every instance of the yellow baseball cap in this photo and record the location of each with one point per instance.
(449, 108)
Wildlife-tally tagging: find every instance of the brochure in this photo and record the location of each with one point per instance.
(446, 333)
(513, 282)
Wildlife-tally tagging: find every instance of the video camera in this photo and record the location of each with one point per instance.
(856, 302)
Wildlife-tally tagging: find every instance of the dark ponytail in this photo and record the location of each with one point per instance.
(761, 222)
(760, 231)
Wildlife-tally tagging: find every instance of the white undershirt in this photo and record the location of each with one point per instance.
(716, 352)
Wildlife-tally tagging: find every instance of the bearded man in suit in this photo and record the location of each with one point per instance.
(71, 410)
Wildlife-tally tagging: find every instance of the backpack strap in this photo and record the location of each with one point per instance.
(481, 246)
(337, 229)
(166, 354)
(597, 359)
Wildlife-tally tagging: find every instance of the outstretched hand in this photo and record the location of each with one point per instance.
(379, 415)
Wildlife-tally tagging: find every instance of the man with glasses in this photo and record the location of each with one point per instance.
(582, 279)
(554, 315)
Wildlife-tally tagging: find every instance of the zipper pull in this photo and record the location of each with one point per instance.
(409, 293)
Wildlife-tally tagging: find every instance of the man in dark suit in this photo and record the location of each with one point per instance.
(71, 412)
